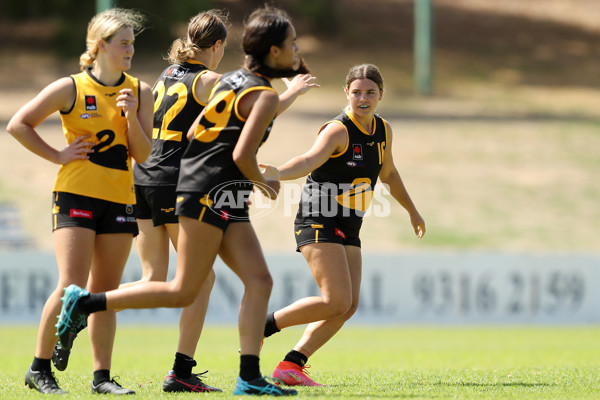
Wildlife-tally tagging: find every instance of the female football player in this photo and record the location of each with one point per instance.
(350, 153)
(107, 120)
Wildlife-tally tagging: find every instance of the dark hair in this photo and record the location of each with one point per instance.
(266, 27)
(364, 71)
(204, 30)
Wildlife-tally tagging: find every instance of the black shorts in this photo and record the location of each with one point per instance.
(201, 207)
(101, 216)
(322, 230)
(156, 203)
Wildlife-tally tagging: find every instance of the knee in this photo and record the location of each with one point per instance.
(351, 311)
(262, 283)
(182, 295)
(210, 280)
(339, 306)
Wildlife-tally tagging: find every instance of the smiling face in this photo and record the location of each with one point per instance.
(119, 50)
(363, 96)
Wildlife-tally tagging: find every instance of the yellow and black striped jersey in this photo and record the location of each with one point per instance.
(107, 174)
(175, 109)
(208, 160)
(342, 188)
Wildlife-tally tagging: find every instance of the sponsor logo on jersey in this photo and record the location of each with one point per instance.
(298, 232)
(167, 210)
(110, 94)
(89, 115)
(90, 103)
(225, 215)
(76, 213)
(357, 153)
(340, 233)
(370, 143)
(176, 72)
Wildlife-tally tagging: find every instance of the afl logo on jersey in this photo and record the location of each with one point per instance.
(85, 116)
(90, 103)
(351, 163)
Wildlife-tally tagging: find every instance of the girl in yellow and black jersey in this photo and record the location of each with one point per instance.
(224, 141)
(107, 120)
(350, 153)
(180, 94)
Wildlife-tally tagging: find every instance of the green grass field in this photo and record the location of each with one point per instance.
(361, 362)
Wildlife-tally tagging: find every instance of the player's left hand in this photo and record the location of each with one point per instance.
(269, 171)
(418, 224)
(302, 83)
(127, 101)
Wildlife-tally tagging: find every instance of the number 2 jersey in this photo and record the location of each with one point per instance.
(342, 188)
(208, 160)
(107, 174)
(175, 109)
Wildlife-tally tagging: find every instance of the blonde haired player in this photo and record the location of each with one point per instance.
(107, 120)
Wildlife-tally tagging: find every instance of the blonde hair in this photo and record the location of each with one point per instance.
(104, 26)
(204, 30)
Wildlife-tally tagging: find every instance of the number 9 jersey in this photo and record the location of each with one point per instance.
(208, 159)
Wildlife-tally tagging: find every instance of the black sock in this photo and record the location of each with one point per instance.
(94, 302)
(183, 365)
(270, 326)
(249, 368)
(101, 375)
(296, 357)
(40, 364)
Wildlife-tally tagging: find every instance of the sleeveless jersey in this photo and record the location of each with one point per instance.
(342, 188)
(175, 109)
(208, 160)
(107, 173)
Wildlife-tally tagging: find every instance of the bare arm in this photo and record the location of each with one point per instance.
(260, 108)
(58, 96)
(204, 85)
(139, 120)
(299, 85)
(391, 177)
(331, 140)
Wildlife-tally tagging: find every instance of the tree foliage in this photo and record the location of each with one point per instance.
(70, 17)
